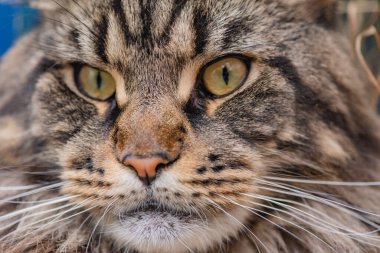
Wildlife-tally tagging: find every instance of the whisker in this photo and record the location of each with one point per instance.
(39, 190)
(185, 245)
(97, 224)
(298, 193)
(72, 207)
(18, 188)
(319, 182)
(325, 226)
(36, 214)
(324, 219)
(244, 226)
(19, 212)
(292, 223)
(76, 207)
(342, 207)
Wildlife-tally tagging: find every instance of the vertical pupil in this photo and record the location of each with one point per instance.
(226, 74)
(98, 80)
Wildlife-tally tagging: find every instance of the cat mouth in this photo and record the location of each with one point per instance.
(155, 208)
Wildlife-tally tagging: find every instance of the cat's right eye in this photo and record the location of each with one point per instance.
(94, 83)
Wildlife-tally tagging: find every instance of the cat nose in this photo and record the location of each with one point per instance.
(146, 168)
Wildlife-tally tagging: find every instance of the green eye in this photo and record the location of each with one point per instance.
(225, 76)
(95, 83)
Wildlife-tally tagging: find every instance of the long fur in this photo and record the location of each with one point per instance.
(287, 163)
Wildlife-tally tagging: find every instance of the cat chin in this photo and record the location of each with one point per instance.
(152, 232)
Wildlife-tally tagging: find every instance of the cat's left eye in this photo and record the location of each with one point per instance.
(95, 83)
(224, 76)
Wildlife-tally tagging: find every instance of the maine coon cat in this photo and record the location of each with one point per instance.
(187, 126)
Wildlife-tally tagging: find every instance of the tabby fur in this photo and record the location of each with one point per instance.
(269, 168)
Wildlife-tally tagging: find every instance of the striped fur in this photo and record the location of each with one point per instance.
(270, 168)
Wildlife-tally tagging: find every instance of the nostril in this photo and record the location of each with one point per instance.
(160, 167)
(146, 168)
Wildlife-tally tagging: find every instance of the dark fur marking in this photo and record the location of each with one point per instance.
(100, 171)
(234, 30)
(213, 157)
(146, 18)
(196, 194)
(92, 183)
(65, 136)
(101, 43)
(210, 181)
(119, 10)
(89, 165)
(200, 23)
(182, 129)
(218, 168)
(307, 99)
(177, 9)
(212, 194)
(75, 37)
(236, 165)
(201, 170)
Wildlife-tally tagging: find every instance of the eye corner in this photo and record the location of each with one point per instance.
(209, 89)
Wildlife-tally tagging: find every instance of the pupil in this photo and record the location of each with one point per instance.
(226, 75)
(98, 80)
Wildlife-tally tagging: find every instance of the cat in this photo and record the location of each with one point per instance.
(187, 126)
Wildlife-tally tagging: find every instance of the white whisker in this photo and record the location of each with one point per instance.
(18, 188)
(244, 226)
(292, 223)
(325, 219)
(22, 211)
(319, 182)
(321, 224)
(299, 193)
(37, 214)
(97, 224)
(184, 244)
(38, 190)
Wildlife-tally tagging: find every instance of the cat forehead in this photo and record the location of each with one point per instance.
(108, 27)
(121, 31)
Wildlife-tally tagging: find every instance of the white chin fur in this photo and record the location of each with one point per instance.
(153, 232)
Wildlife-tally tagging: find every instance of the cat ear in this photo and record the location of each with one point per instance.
(323, 12)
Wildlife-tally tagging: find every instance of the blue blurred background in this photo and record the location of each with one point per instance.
(15, 19)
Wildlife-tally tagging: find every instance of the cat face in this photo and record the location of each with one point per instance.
(167, 118)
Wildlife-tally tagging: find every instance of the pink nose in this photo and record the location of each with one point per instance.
(146, 168)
